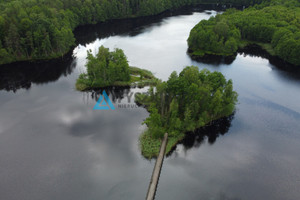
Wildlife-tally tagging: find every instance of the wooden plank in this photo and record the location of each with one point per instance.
(157, 168)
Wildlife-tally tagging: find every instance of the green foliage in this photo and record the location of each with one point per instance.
(42, 29)
(275, 22)
(186, 102)
(150, 146)
(143, 73)
(215, 35)
(104, 69)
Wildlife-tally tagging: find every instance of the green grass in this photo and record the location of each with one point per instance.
(150, 146)
(83, 84)
(202, 53)
(266, 46)
(141, 72)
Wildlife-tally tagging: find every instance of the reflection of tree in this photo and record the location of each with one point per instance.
(256, 51)
(253, 51)
(210, 132)
(89, 33)
(250, 50)
(214, 59)
(22, 74)
(114, 93)
(132, 27)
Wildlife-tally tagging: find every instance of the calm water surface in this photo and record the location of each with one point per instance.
(53, 145)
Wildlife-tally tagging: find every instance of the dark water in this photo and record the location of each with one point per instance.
(53, 145)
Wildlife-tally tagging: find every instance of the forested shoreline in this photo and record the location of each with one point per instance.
(43, 29)
(273, 25)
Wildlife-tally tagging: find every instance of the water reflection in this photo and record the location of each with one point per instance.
(210, 133)
(252, 51)
(214, 59)
(21, 75)
(132, 27)
(116, 94)
(257, 51)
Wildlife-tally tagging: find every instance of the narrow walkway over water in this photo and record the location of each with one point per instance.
(157, 169)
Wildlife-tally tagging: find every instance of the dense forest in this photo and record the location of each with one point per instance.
(42, 29)
(274, 25)
(184, 103)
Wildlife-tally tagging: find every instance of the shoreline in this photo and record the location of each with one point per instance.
(248, 48)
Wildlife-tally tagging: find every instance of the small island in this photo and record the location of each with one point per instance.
(182, 104)
(272, 25)
(107, 69)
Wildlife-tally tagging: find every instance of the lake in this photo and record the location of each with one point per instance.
(53, 145)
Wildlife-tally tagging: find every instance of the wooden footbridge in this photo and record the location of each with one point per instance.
(157, 168)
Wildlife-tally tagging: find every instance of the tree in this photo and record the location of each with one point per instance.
(154, 123)
(106, 68)
(231, 45)
(12, 40)
(222, 29)
(4, 56)
(2, 23)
